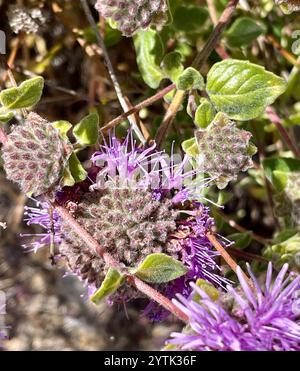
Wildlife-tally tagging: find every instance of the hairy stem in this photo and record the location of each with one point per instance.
(229, 260)
(11, 60)
(111, 262)
(199, 61)
(216, 34)
(111, 70)
(146, 103)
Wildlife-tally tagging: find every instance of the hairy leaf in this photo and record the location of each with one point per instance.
(159, 268)
(242, 89)
(26, 95)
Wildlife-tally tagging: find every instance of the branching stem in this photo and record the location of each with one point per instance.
(198, 63)
(111, 70)
(111, 262)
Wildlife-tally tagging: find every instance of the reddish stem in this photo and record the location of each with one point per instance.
(198, 63)
(138, 107)
(229, 260)
(111, 262)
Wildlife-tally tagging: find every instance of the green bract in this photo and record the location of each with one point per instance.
(113, 280)
(77, 170)
(190, 79)
(172, 66)
(205, 113)
(87, 130)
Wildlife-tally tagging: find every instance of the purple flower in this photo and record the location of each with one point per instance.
(198, 252)
(265, 319)
(165, 215)
(41, 216)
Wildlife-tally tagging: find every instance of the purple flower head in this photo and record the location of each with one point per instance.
(198, 255)
(125, 164)
(265, 319)
(142, 202)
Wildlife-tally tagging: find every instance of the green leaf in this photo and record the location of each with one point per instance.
(190, 147)
(190, 79)
(5, 115)
(76, 169)
(205, 113)
(87, 130)
(172, 66)
(24, 96)
(159, 268)
(276, 169)
(110, 285)
(242, 89)
(243, 31)
(241, 240)
(190, 19)
(150, 51)
(63, 127)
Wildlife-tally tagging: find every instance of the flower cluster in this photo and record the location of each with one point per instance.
(26, 20)
(35, 155)
(247, 318)
(289, 5)
(139, 204)
(132, 15)
(224, 150)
